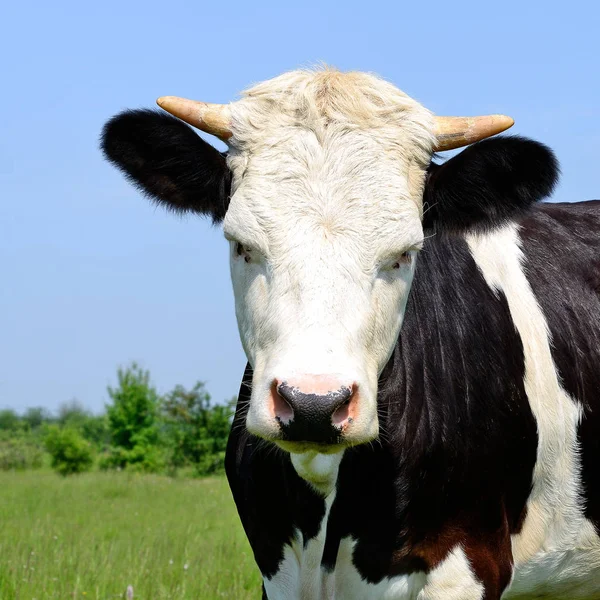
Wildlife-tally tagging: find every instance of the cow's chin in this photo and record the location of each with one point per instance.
(354, 435)
(345, 440)
(304, 447)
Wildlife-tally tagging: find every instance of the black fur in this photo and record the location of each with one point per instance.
(165, 159)
(488, 184)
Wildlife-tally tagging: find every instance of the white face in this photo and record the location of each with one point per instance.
(324, 227)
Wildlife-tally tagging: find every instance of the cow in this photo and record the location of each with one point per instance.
(420, 413)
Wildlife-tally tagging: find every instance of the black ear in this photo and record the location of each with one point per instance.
(488, 184)
(167, 161)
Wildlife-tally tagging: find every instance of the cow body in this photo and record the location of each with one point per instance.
(421, 414)
(483, 478)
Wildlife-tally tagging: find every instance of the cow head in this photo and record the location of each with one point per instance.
(321, 200)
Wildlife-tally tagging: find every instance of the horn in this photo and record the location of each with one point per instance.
(454, 132)
(211, 118)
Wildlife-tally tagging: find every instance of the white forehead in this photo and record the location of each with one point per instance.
(326, 150)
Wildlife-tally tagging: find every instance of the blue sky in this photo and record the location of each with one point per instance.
(93, 276)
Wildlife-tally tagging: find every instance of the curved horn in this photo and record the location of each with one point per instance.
(211, 118)
(454, 132)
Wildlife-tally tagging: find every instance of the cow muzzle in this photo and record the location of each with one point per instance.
(314, 409)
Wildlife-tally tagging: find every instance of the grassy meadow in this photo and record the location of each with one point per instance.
(92, 535)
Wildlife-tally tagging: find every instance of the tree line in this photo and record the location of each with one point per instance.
(139, 431)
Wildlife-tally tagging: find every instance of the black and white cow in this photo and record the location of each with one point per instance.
(454, 459)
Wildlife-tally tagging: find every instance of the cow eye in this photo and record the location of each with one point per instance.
(404, 259)
(241, 250)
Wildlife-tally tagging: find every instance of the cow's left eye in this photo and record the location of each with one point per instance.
(405, 259)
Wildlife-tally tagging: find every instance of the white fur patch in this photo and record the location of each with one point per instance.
(452, 579)
(556, 543)
(562, 573)
(349, 584)
(300, 576)
(320, 470)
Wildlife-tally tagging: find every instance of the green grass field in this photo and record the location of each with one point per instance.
(93, 535)
(90, 536)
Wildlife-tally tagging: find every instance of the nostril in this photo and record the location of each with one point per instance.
(342, 413)
(345, 410)
(282, 406)
(286, 391)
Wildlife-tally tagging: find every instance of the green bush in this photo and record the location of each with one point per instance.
(132, 423)
(19, 452)
(9, 420)
(142, 458)
(94, 428)
(35, 417)
(69, 451)
(194, 430)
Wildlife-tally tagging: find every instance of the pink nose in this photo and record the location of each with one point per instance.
(313, 407)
